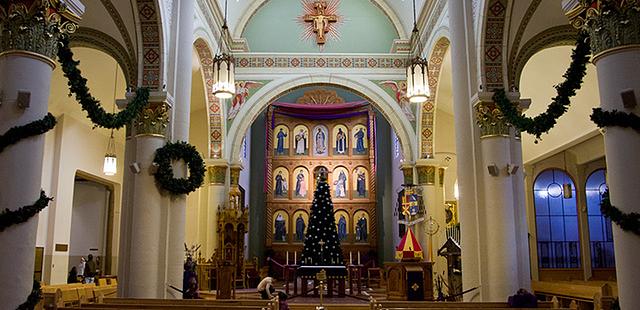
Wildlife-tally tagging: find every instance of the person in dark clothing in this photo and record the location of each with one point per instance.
(90, 270)
(73, 275)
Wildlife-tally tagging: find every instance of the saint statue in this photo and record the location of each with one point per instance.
(280, 147)
(320, 142)
(360, 141)
(301, 185)
(281, 185)
(341, 141)
(341, 185)
(361, 229)
(300, 226)
(301, 142)
(361, 183)
(281, 230)
(342, 228)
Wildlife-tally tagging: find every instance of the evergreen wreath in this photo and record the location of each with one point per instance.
(33, 299)
(176, 151)
(629, 222)
(543, 122)
(78, 86)
(615, 118)
(17, 133)
(12, 217)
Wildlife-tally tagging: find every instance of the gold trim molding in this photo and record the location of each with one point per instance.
(490, 120)
(153, 119)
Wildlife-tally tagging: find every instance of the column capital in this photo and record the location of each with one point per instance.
(488, 116)
(407, 172)
(234, 174)
(612, 24)
(154, 118)
(216, 171)
(33, 27)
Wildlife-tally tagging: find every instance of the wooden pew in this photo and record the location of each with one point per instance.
(403, 305)
(74, 294)
(161, 307)
(256, 303)
(596, 295)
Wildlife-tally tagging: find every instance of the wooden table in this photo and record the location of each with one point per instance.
(336, 275)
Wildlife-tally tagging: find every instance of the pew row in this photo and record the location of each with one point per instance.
(404, 305)
(598, 296)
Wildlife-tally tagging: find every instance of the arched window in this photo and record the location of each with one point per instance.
(599, 226)
(556, 220)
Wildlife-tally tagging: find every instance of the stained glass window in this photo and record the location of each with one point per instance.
(556, 220)
(600, 237)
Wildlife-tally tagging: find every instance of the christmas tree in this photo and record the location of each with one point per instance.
(321, 244)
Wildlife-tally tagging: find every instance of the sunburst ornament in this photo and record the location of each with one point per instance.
(320, 19)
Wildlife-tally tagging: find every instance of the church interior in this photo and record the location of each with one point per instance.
(350, 154)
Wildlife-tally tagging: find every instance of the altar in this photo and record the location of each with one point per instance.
(335, 278)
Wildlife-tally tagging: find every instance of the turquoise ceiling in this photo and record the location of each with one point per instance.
(365, 29)
(292, 96)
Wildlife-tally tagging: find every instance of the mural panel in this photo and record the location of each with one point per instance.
(340, 183)
(281, 138)
(301, 179)
(342, 224)
(300, 140)
(361, 226)
(340, 138)
(280, 224)
(320, 141)
(301, 221)
(280, 183)
(360, 140)
(360, 185)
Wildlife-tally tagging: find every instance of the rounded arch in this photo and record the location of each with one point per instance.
(426, 113)
(381, 4)
(552, 37)
(491, 53)
(214, 107)
(92, 38)
(376, 95)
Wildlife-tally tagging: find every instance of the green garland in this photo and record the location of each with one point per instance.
(615, 118)
(13, 217)
(17, 133)
(543, 122)
(176, 151)
(33, 299)
(78, 86)
(627, 221)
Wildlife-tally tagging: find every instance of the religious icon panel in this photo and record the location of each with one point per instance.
(301, 220)
(300, 140)
(340, 140)
(301, 179)
(342, 224)
(280, 224)
(281, 140)
(320, 141)
(360, 140)
(360, 182)
(361, 226)
(340, 183)
(280, 183)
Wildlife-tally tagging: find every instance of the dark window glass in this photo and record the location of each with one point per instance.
(601, 240)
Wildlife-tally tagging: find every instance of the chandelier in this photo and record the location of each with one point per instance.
(418, 69)
(110, 161)
(224, 85)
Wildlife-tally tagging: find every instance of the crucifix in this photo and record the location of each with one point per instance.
(320, 20)
(321, 243)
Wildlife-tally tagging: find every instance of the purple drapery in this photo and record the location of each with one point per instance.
(320, 111)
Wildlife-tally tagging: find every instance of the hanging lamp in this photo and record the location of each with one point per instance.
(224, 84)
(110, 166)
(567, 191)
(418, 70)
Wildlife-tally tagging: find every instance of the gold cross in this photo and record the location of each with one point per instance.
(320, 20)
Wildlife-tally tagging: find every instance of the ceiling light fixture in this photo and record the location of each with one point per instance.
(418, 69)
(224, 86)
(110, 166)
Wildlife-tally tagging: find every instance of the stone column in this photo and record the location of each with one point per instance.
(430, 178)
(520, 211)
(28, 47)
(615, 46)
(217, 177)
(182, 52)
(146, 256)
(466, 148)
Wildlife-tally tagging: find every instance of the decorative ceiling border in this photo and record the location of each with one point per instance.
(319, 61)
(122, 28)
(493, 49)
(92, 38)
(428, 108)
(151, 29)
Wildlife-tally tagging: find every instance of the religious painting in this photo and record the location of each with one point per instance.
(340, 139)
(281, 140)
(360, 179)
(340, 183)
(320, 137)
(280, 222)
(301, 186)
(300, 140)
(300, 220)
(398, 89)
(360, 140)
(320, 20)
(280, 185)
(244, 89)
(342, 224)
(361, 226)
